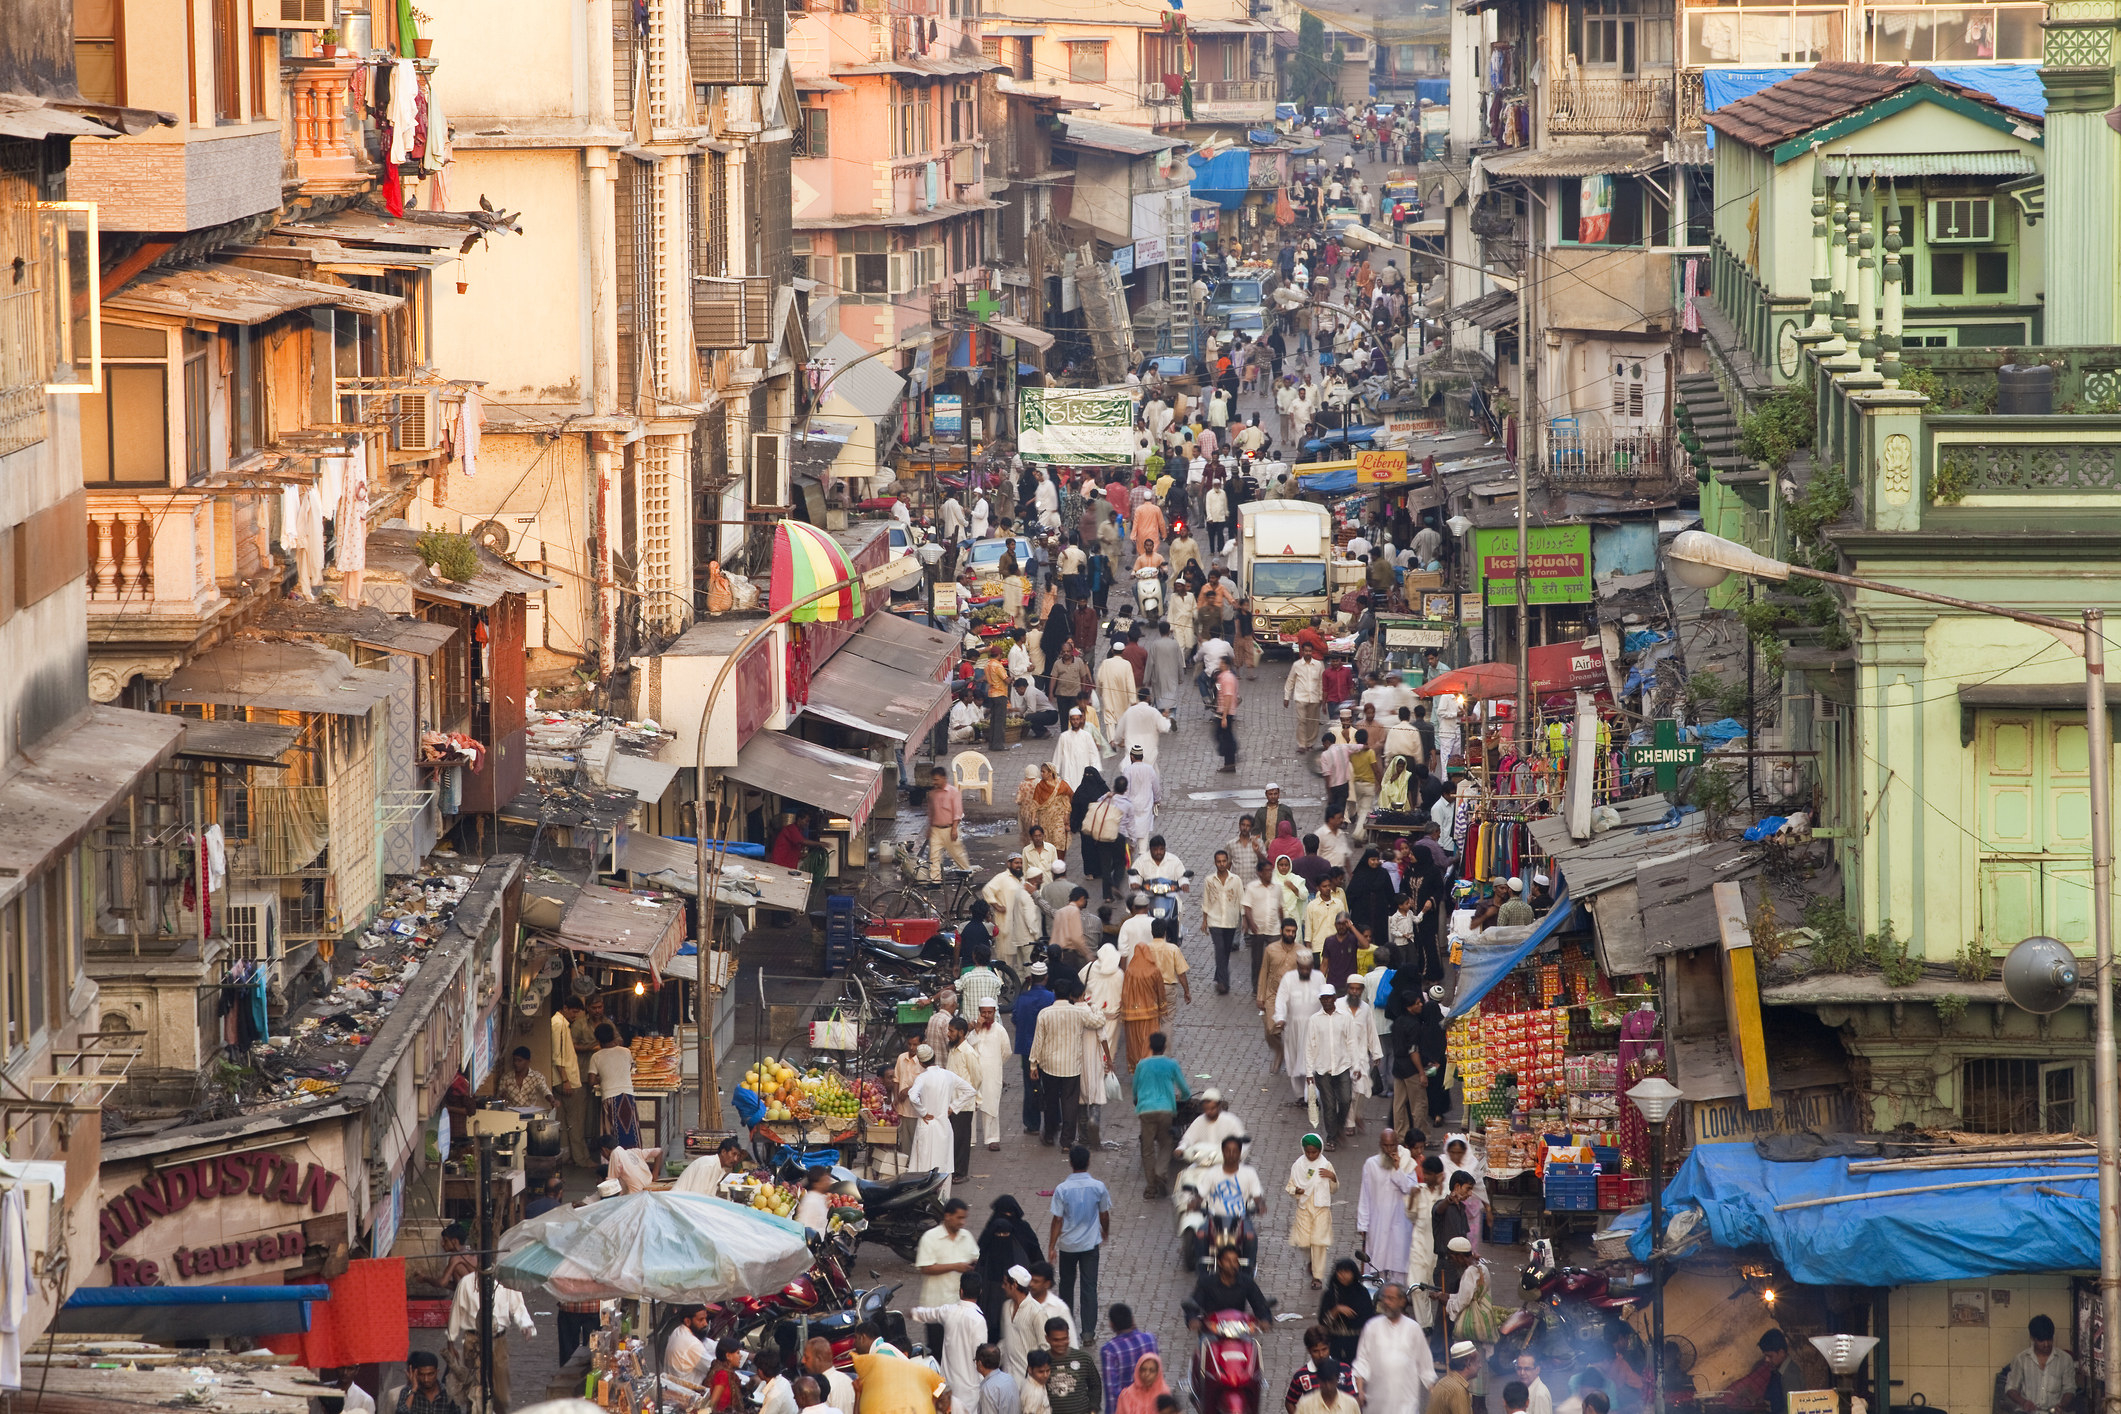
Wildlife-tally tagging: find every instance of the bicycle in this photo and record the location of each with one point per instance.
(914, 895)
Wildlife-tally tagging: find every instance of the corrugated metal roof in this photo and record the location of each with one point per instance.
(1575, 160)
(287, 677)
(1112, 137)
(229, 294)
(870, 388)
(1931, 164)
(395, 552)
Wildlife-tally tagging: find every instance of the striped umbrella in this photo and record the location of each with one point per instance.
(805, 560)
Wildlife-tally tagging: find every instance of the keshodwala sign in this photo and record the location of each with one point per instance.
(209, 1217)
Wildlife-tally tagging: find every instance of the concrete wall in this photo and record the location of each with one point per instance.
(534, 285)
(1594, 287)
(507, 58)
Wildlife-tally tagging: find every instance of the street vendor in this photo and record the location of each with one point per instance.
(1760, 1386)
(522, 1088)
(707, 1174)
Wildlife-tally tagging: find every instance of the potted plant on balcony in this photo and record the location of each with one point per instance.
(422, 46)
(328, 44)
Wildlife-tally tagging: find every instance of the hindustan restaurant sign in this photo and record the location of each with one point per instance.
(221, 1218)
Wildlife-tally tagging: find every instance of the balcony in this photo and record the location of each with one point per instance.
(1234, 101)
(326, 150)
(1598, 458)
(1609, 105)
(727, 48)
(184, 178)
(1155, 95)
(151, 554)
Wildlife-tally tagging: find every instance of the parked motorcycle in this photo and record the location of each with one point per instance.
(899, 1210)
(1571, 1304)
(1227, 1376)
(824, 1286)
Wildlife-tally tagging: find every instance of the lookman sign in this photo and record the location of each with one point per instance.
(1076, 426)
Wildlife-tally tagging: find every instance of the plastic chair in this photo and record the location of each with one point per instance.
(971, 771)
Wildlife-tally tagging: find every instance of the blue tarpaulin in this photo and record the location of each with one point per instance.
(1957, 1233)
(1485, 964)
(1223, 179)
(2015, 85)
(1328, 482)
(1433, 90)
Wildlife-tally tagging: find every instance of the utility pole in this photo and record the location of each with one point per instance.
(486, 1268)
(1524, 463)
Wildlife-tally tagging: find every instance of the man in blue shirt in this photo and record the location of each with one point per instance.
(1035, 998)
(1082, 1220)
(1159, 1084)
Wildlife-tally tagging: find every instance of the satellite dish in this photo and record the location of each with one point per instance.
(2040, 975)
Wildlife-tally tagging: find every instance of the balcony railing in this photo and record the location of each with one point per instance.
(1596, 105)
(1154, 95)
(151, 554)
(326, 155)
(726, 48)
(1599, 456)
(1693, 103)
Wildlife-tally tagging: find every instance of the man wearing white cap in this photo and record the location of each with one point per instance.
(1295, 1009)
(991, 1040)
(1453, 1394)
(1075, 750)
(1515, 912)
(1393, 1367)
(1145, 791)
(929, 1099)
(1212, 1125)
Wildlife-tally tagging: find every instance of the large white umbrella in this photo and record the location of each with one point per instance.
(662, 1246)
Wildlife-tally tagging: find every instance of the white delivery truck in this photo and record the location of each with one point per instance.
(1287, 545)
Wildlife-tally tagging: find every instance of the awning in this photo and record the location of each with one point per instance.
(28, 115)
(1931, 164)
(229, 294)
(925, 68)
(818, 449)
(941, 211)
(876, 698)
(639, 930)
(1496, 309)
(818, 83)
(243, 743)
(674, 864)
(905, 645)
(2049, 1222)
(1575, 160)
(394, 551)
(72, 778)
(288, 677)
(801, 770)
(1021, 332)
(376, 229)
(1225, 27)
(1486, 963)
(368, 626)
(188, 1315)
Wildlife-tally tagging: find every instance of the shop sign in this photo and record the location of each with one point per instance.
(1123, 261)
(226, 1214)
(1814, 1401)
(1439, 604)
(1824, 1109)
(1148, 251)
(1418, 633)
(1567, 665)
(1560, 563)
(945, 601)
(949, 415)
(1632, 757)
(1207, 218)
(1381, 468)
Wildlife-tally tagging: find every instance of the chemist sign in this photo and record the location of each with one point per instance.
(1559, 558)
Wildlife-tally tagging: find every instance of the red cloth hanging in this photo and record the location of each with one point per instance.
(363, 1323)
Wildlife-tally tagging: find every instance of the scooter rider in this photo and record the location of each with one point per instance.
(1212, 1125)
(1228, 1288)
(1234, 1194)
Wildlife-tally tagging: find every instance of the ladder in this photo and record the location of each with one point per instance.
(1178, 247)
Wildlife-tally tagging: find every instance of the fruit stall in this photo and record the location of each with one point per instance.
(800, 1111)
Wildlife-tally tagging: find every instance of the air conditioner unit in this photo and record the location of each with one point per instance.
(250, 921)
(416, 421)
(291, 14)
(506, 533)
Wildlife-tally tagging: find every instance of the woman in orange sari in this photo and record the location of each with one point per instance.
(1052, 802)
(1141, 1003)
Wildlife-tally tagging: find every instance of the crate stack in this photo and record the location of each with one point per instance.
(839, 932)
(1572, 1188)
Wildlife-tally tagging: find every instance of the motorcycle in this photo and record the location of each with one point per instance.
(1573, 1304)
(1201, 1232)
(825, 1285)
(901, 1209)
(1163, 893)
(1227, 1378)
(1149, 593)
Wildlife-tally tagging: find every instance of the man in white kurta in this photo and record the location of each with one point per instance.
(930, 1097)
(1017, 921)
(1388, 1176)
(1295, 1006)
(964, 1332)
(1420, 1258)
(1145, 789)
(1141, 725)
(1115, 689)
(1393, 1367)
(991, 1039)
(1075, 750)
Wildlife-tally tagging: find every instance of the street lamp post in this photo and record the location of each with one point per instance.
(1656, 1097)
(1701, 561)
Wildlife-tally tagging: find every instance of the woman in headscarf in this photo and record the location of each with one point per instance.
(1295, 893)
(1344, 1308)
(1371, 897)
(1054, 805)
(1053, 635)
(1027, 806)
(1312, 1180)
(1103, 991)
(1147, 1386)
(1006, 1241)
(1285, 845)
(976, 937)
(1141, 1003)
(1088, 791)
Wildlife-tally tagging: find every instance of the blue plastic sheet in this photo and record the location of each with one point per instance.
(1952, 1234)
(1223, 179)
(1434, 90)
(1638, 639)
(1729, 729)
(1769, 826)
(1327, 482)
(1485, 964)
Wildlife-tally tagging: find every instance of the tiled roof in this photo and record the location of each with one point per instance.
(1828, 92)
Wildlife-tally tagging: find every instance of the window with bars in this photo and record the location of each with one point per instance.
(2014, 1095)
(964, 113)
(911, 121)
(1086, 60)
(813, 133)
